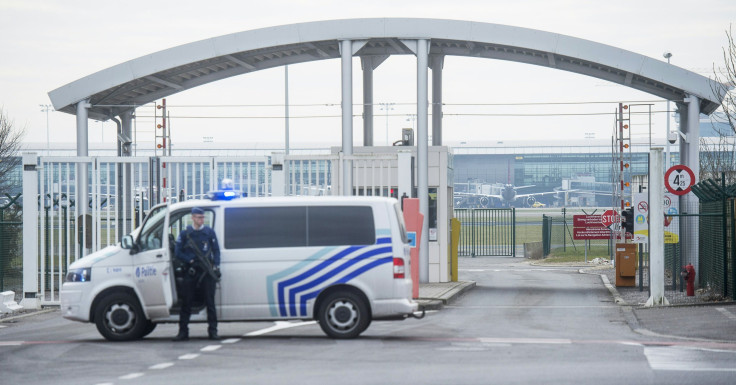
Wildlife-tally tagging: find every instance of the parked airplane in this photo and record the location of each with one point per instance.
(473, 194)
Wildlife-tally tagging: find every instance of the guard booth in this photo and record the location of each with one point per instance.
(397, 177)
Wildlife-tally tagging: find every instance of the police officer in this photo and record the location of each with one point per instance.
(195, 275)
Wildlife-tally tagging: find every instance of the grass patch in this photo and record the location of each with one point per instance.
(572, 255)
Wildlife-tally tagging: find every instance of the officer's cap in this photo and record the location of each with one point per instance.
(197, 210)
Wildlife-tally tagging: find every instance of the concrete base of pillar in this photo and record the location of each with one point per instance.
(31, 303)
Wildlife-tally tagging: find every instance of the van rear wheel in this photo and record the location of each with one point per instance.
(343, 315)
(119, 317)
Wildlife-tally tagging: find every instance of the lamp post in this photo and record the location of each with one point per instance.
(667, 55)
(46, 108)
(387, 107)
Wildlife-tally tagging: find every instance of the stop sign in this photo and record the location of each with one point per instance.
(610, 217)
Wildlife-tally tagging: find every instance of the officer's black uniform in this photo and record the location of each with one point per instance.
(206, 241)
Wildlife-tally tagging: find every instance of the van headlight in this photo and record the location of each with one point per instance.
(79, 275)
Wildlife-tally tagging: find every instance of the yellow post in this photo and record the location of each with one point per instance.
(454, 246)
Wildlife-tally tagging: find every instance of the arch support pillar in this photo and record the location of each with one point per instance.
(82, 150)
(126, 134)
(436, 62)
(422, 53)
(368, 64)
(690, 157)
(346, 57)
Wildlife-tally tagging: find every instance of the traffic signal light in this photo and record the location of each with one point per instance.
(627, 217)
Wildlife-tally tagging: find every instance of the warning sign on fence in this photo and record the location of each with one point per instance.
(589, 227)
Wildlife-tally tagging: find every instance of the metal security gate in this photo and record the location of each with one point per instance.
(320, 174)
(311, 175)
(119, 193)
(11, 258)
(487, 232)
(69, 228)
(185, 178)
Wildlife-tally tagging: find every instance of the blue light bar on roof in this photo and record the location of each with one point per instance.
(225, 195)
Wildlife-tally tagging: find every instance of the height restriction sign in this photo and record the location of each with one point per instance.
(679, 179)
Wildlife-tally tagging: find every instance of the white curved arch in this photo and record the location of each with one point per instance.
(120, 88)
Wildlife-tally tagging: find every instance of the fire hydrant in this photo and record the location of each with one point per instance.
(688, 274)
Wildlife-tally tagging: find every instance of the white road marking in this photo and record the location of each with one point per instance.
(231, 340)
(130, 376)
(161, 366)
(279, 326)
(106, 383)
(681, 359)
(530, 270)
(727, 313)
(558, 341)
(190, 356)
(210, 348)
(533, 307)
(2, 326)
(11, 343)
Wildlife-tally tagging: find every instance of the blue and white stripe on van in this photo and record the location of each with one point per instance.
(290, 290)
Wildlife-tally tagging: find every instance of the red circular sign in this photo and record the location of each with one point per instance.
(678, 179)
(610, 217)
(643, 207)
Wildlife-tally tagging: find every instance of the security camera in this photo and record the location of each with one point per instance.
(672, 137)
(667, 54)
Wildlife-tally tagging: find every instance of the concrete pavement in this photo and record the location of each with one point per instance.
(711, 321)
(432, 296)
(703, 321)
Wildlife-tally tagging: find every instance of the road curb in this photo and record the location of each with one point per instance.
(446, 297)
(633, 321)
(28, 314)
(612, 289)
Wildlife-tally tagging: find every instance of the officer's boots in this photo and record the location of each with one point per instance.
(182, 336)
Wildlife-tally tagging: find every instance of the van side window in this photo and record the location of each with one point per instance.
(152, 231)
(340, 225)
(181, 219)
(256, 227)
(262, 227)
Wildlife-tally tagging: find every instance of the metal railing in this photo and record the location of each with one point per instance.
(487, 232)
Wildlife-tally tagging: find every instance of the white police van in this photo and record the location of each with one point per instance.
(343, 261)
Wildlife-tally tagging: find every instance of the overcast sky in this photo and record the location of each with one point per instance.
(47, 44)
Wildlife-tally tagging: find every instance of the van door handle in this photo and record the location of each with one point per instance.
(159, 255)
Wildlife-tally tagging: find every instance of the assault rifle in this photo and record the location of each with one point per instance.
(204, 261)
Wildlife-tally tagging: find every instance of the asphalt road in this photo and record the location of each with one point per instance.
(520, 325)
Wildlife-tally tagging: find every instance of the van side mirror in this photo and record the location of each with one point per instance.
(127, 242)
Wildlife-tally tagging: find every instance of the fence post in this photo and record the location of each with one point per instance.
(733, 248)
(472, 233)
(2, 257)
(725, 234)
(30, 232)
(513, 231)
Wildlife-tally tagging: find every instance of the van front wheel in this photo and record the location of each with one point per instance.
(119, 317)
(343, 315)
